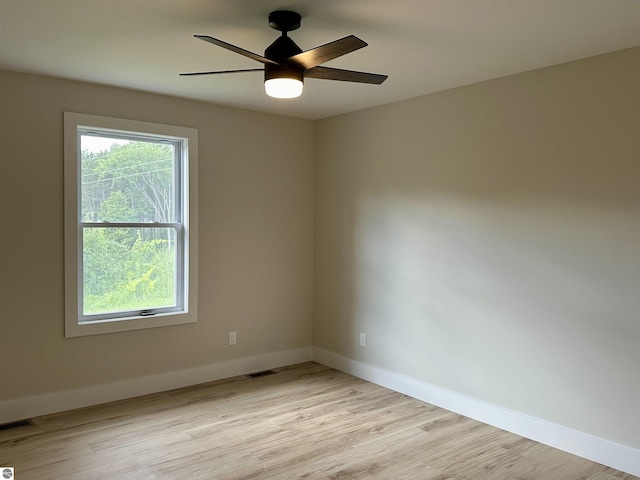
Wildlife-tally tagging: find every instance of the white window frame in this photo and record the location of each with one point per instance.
(77, 325)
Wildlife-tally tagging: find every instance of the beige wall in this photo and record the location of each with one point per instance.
(256, 239)
(487, 239)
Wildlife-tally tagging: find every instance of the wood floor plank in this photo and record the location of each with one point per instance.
(306, 421)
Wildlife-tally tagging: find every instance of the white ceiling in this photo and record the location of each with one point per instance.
(423, 45)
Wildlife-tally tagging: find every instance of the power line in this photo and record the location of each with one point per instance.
(125, 167)
(125, 176)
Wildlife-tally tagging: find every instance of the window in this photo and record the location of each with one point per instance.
(130, 224)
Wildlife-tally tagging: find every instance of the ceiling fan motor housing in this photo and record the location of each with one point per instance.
(282, 49)
(279, 51)
(282, 71)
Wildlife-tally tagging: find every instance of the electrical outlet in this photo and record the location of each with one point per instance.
(363, 339)
(232, 338)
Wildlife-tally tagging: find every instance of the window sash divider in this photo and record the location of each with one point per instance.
(176, 226)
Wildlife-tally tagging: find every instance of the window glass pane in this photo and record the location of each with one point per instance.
(126, 180)
(128, 269)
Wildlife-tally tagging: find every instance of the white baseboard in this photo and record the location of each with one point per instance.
(47, 403)
(584, 445)
(587, 446)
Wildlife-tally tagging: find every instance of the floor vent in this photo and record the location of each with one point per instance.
(263, 373)
(17, 424)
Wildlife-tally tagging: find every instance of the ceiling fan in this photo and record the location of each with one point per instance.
(286, 65)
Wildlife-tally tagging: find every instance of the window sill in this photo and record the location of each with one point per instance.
(75, 329)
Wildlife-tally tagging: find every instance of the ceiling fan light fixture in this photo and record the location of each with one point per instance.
(283, 83)
(283, 87)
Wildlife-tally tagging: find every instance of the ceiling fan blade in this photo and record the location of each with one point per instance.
(222, 71)
(233, 48)
(327, 73)
(324, 53)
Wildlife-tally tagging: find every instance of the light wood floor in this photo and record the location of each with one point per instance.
(307, 421)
